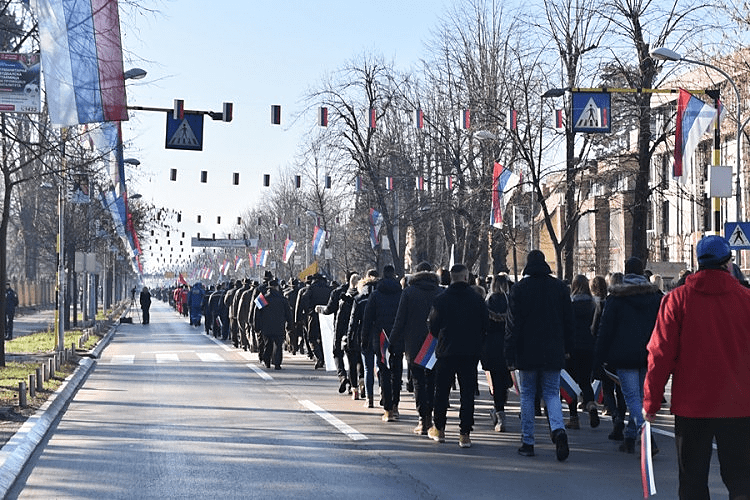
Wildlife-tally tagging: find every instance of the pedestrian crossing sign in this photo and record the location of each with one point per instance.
(592, 112)
(737, 235)
(185, 133)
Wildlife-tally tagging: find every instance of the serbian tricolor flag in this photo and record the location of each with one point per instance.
(598, 391)
(81, 52)
(418, 118)
(568, 387)
(466, 118)
(426, 356)
(237, 263)
(250, 260)
(694, 117)
(512, 121)
(358, 183)
(289, 247)
(503, 183)
(389, 183)
(647, 462)
(323, 116)
(420, 183)
(376, 221)
(384, 343)
(372, 117)
(261, 301)
(262, 257)
(318, 241)
(449, 183)
(559, 121)
(181, 279)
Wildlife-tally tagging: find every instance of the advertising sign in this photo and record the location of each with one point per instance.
(19, 83)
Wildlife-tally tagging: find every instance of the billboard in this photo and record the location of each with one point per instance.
(19, 83)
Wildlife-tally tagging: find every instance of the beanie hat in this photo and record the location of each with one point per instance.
(634, 266)
(713, 251)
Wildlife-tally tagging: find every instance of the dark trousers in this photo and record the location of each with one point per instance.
(580, 367)
(694, 438)
(356, 368)
(613, 399)
(146, 315)
(9, 325)
(446, 369)
(501, 382)
(424, 389)
(272, 350)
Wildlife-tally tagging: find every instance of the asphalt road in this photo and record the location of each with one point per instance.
(170, 413)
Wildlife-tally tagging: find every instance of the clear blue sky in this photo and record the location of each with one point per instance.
(254, 54)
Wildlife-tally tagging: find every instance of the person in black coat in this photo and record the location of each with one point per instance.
(409, 333)
(380, 312)
(271, 322)
(314, 295)
(459, 321)
(625, 327)
(493, 356)
(145, 299)
(365, 286)
(581, 362)
(332, 307)
(538, 339)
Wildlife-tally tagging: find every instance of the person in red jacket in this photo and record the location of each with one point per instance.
(702, 339)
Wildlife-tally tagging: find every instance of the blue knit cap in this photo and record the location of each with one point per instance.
(713, 251)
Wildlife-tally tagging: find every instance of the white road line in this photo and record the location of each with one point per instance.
(167, 357)
(210, 357)
(122, 359)
(352, 433)
(262, 374)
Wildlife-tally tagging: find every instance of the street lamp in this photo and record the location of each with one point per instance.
(665, 54)
(134, 74)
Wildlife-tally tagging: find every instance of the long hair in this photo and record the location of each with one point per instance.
(580, 286)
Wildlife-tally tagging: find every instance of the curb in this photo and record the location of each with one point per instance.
(18, 450)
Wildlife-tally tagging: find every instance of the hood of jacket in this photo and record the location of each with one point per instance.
(711, 281)
(426, 280)
(537, 268)
(634, 284)
(365, 285)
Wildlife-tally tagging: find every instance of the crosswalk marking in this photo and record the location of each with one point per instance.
(210, 357)
(122, 359)
(167, 357)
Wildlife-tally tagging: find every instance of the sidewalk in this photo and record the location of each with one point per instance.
(33, 320)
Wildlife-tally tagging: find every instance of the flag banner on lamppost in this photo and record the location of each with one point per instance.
(694, 117)
(81, 51)
(503, 183)
(318, 241)
(289, 247)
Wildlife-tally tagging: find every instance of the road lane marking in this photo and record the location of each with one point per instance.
(262, 374)
(167, 357)
(350, 432)
(210, 357)
(122, 359)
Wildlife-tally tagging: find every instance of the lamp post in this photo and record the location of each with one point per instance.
(665, 54)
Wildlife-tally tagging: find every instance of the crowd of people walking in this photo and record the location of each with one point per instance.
(525, 334)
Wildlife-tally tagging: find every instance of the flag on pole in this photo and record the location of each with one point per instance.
(181, 279)
(449, 183)
(426, 356)
(694, 117)
(323, 116)
(418, 118)
(262, 257)
(261, 301)
(384, 343)
(389, 183)
(289, 247)
(503, 183)
(647, 461)
(81, 50)
(376, 221)
(358, 183)
(318, 241)
(250, 260)
(559, 120)
(466, 116)
(420, 183)
(372, 116)
(512, 119)
(237, 263)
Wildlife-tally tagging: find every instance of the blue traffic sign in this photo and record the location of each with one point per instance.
(737, 234)
(592, 112)
(185, 133)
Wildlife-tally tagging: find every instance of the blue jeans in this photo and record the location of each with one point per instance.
(368, 360)
(550, 381)
(631, 381)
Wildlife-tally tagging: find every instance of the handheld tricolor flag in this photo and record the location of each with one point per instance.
(647, 461)
(384, 343)
(568, 387)
(426, 356)
(261, 301)
(694, 117)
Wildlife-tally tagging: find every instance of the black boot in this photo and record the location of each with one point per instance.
(616, 434)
